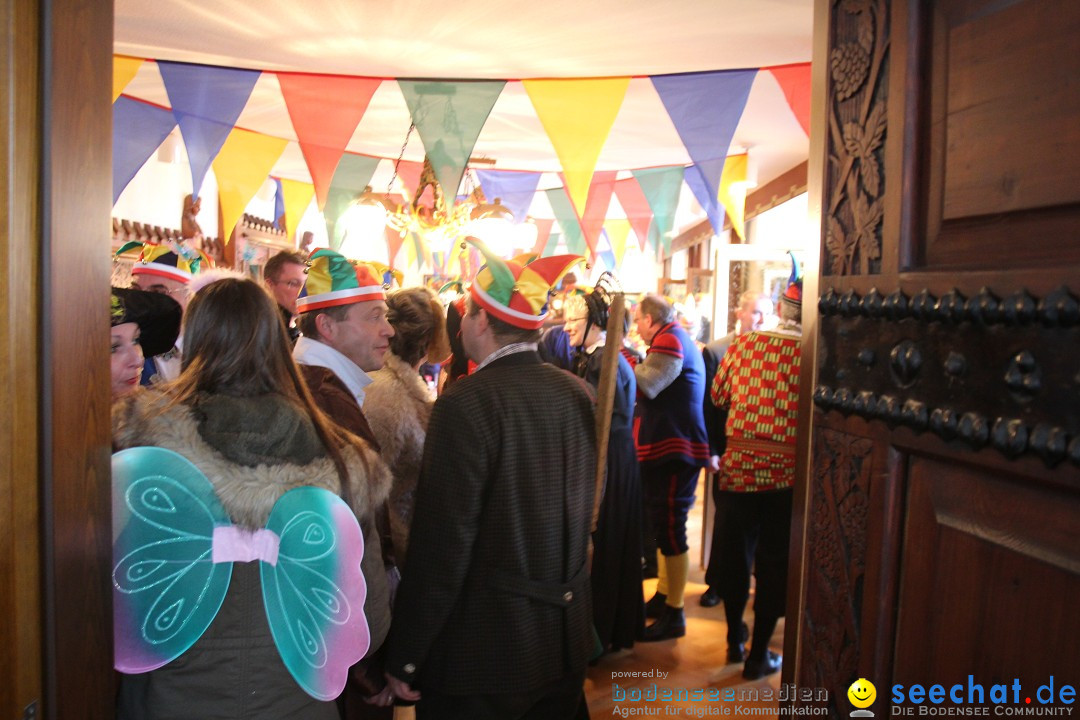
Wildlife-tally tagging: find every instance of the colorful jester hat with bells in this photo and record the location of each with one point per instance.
(793, 293)
(173, 559)
(515, 293)
(333, 279)
(173, 260)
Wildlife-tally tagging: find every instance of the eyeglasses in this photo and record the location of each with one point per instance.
(291, 284)
(576, 319)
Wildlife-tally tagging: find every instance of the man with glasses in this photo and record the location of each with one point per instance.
(284, 275)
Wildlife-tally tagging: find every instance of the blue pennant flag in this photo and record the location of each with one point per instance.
(138, 130)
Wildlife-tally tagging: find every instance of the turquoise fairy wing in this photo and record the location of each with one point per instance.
(166, 589)
(314, 594)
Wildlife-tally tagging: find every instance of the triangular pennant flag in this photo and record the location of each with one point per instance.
(705, 108)
(568, 221)
(596, 207)
(350, 179)
(543, 230)
(206, 100)
(709, 203)
(138, 130)
(513, 189)
(279, 204)
(636, 207)
(325, 110)
(794, 80)
(394, 242)
(123, 71)
(297, 200)
(577, 116)
(552, 245)
(618, 231)
(449, 117)
(409, 172)
(661, 187)
(733, 191)
(241, 168)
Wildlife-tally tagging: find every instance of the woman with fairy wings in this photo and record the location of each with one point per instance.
(240, 413)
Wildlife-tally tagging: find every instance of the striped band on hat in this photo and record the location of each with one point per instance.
(161, 270)
(527, 321)
(340, 297)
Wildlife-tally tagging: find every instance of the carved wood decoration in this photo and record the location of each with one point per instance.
(983, 371)
(858, 68)
(837, 534)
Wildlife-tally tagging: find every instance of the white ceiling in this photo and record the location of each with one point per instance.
(477, 39)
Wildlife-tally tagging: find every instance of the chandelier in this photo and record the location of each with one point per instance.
(427, 217)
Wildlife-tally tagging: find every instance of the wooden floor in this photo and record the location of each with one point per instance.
(694, 662)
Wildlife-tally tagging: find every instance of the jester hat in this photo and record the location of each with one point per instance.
(171, 259)
(793, 293)
(156, 314)
(333, 280)
(515, 293)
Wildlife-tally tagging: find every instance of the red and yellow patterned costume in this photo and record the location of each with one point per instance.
(758, 382)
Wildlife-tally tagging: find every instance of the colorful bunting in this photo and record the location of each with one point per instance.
(661, 187)
(568, 221)
(709, 203)
(297, 196)
(636, 207)
(123, 72)
(794, 80)
(206, 101)
(733, 191)
(577, 116)
(596, 207)
(325, 110)
(513, 189)
(138, 130)
(350, 179)
(449, 117)
(241, 168)
(543, 231)
(705, 108)
(617, 231)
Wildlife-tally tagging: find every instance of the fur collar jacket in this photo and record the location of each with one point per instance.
(253, 450)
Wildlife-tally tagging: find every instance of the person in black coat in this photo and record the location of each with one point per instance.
(492, 618)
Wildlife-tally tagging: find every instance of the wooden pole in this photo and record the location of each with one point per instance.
(605, 399)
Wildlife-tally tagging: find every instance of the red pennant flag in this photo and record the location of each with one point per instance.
(408, 172)
(596, 207)
(636, 206)
(543, 232)
(795, 82)
(393, 244)
(325, 110)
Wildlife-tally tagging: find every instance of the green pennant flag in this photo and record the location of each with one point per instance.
(449, 117)
(661, 187)
(568, 221)
(351, 177)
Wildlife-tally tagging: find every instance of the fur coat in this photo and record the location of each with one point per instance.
(252, 450)
(398, 406)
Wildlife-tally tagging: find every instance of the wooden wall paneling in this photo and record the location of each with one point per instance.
(20, 576)
(76, 196)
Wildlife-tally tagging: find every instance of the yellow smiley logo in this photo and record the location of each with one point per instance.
(862, 693)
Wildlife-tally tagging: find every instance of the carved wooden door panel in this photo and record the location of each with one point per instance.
(939, 530)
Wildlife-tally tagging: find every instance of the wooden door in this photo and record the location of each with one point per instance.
(937, 530)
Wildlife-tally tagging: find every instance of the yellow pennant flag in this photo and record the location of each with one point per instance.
(410, 251)
(297, 199)
(241, 168)
(618, 230)
(732, 194)
(123, 70)
(577, 116)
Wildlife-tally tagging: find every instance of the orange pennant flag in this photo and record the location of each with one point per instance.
(325, 110)
(241, 168)
(123, 71)
(577, 116)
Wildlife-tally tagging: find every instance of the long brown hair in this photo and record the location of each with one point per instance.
(235, 343)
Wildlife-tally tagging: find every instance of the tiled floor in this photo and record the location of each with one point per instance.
(694, 662)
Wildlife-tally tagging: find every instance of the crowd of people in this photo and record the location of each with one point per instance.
(494, 566)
